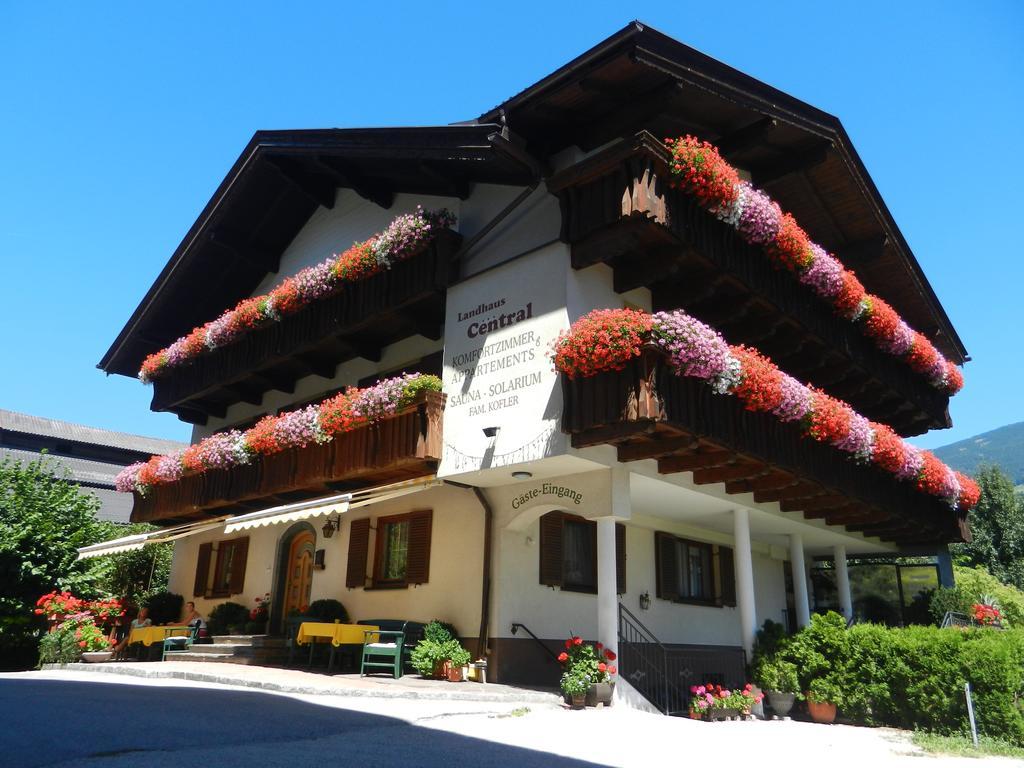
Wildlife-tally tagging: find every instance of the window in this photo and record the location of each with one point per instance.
(394, 535)
(568, 553)
(220, 568)
(401, 554)
(693, 571)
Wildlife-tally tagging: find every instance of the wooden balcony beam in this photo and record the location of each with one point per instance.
(744, 471)
(692, 461)
(656, 448)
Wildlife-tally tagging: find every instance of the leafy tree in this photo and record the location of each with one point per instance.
(44, 519)
(997, 529)
(132, 575)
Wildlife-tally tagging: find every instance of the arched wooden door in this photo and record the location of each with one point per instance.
(299, 576)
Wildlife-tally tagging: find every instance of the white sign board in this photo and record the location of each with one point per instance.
(504, 398)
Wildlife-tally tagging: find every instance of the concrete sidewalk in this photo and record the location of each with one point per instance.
(296, 681)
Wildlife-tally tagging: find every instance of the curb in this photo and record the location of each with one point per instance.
(523, 697)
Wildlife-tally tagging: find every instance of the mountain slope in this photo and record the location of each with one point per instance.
(1003, 446)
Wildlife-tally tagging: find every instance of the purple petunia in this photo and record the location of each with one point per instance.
(759, 220)
(382, 399)
(824, 275)
(913, 460)
(796, 400)
(126, 479)
(695, 349)
(859, 439)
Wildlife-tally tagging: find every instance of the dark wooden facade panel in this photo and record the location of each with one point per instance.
(400, 447)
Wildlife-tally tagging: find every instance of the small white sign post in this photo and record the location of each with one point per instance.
(970, 714)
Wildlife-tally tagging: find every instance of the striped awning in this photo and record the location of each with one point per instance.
(286, 513)
(139, 540)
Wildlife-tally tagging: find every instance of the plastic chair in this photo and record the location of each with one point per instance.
(180, 642)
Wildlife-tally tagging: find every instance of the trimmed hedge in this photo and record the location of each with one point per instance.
(913, 677)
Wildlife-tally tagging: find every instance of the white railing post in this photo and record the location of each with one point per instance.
(744, 578)
(796, 562)
(843, 582)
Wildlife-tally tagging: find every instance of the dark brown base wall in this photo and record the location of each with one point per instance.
(522, 661)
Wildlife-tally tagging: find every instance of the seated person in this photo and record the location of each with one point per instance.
(142, 620)
(193, 619)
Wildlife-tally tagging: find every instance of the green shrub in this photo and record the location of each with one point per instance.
(165, 607)
(59, 646)
(327, 610)
(911, 677)
(439, 644)
(439, 631)
(779, 676)
(225, 617)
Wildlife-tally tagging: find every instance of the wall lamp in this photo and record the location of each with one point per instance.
(491, 431)
(331, 525)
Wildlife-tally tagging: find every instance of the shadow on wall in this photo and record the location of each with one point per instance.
(125, 724)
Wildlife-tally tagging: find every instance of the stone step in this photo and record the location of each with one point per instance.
(196, 656)
(223, 648)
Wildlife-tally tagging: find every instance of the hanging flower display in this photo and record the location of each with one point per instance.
(272, 434)
(697, 350)
(401, 239)
(699, 169)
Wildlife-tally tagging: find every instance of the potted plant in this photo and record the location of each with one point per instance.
(457, 658)
(823, 698)
(432, 655)
(259, 616)
(745, 699)
(91, 639)
(575, 685)
(781, 683)
(591, 662)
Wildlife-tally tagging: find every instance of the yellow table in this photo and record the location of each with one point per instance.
(337, 633)
(149, 635)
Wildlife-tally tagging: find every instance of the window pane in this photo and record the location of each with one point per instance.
(396, 550)
(227, 557)
(578, 553)
(683, 569)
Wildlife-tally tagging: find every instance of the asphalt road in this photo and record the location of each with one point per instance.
(46, 722)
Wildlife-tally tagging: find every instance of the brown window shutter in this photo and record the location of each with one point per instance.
(417, 568)
(665, 566)
(241, 547)
(203, 569)
(358, 551)
(727, 575)
(620, 558)
(551, 549)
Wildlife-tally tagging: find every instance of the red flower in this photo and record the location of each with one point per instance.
(577, 641)
(699, 169)
(792, 248)
(601, 666)
(612, 669)
(830, 418)
(601, 340)
(922, 356)
(954, 379)
(760, 386)
(568, 643)
(932, 478)
(563, 657)
(882, 321)
(970, 492)
(609, 654)
(888, 451)
(850, 295)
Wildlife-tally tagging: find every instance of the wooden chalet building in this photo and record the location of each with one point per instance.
(519, 504)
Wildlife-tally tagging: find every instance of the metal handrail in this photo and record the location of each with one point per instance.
(516, 626)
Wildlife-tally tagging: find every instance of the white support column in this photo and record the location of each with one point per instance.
(607, 597)
(843, 582)
(796, 562)
(744, 578)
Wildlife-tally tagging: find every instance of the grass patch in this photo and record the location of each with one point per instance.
(963, 746)
(517, 712)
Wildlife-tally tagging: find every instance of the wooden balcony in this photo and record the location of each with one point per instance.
(618, 209)
(649, 413)
(365, 316)
(404, 446)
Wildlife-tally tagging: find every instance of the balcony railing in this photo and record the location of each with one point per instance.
(399, 447)
(618, 209)
(650, 413)
(358, 321)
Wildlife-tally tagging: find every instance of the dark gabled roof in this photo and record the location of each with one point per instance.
(637, 79)
(640, 79)
(65, 431)
(273, 188)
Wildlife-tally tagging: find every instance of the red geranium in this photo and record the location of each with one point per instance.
(830, 418)
(609, 654)
(601, 340)
(700, 170)
(922, 356)
(248, 314)
(760, 386)
(357, 263)
(887, 452)
(287, 298)
(577, 641)
(932, 477)
(954, 379)
(563, 657)
(970, 492)
(338, 415)
(850, 295)
(262, 438)
(881, 321)
(792, 247)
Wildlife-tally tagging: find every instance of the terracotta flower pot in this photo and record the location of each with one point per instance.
(443, 669)
(695, 715)
(454, 673)
(821, 711)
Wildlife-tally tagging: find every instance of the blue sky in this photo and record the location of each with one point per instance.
(118, 123)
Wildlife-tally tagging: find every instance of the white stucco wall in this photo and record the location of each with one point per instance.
(453, 592)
